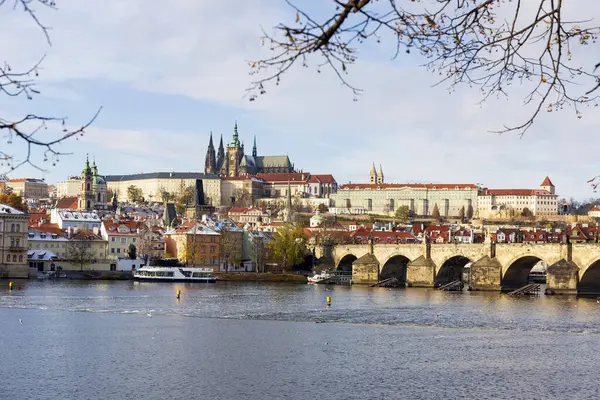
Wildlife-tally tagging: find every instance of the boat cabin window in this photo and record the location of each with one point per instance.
(187, 274)
(199, 274)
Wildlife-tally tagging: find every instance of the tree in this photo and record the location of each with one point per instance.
(436, 212)
(25, 131)
(243, 198)
(470, 212)
(461, 214)
(486, 44)
(79, 249)
(403, 213)
(230, 246)
(526, 213)
(165, 195)
(144, 248)
(132, 251)
(13, 200)
(134, 194)
(288, 246)
(323, 208)
(192, 253)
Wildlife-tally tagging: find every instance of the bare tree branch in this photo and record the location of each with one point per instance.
(26, 129)
(487, 44)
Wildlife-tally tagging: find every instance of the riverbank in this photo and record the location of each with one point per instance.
(260, 277)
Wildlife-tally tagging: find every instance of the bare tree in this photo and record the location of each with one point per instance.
(486, 44)
(79, 249)
(36, 131)
(230, 246)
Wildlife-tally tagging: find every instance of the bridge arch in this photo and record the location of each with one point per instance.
(451, 270)
(345, 263)
(589, 281)
(395, 267)
(517, 272)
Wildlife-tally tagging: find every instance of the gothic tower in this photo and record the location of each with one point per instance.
(210, 163)
(373, 175)
(234, 155)
(380, 175)
(220, 155)
(86, 194)
(254, 153)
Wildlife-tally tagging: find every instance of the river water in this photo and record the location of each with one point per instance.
(130, 340)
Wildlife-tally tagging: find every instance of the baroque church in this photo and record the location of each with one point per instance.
(232, 161)
(93, 193)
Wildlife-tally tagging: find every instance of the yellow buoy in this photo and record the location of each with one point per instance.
(178, 294)
(10, 285)
(328, 298)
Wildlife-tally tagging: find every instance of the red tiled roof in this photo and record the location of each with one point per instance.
(327, 178)
(596, 208)
(34, 219)
(285, 177)
(516, 192)
(547, 182)
(238, 210)
(430, 186)
(49, 228)
(67, 203)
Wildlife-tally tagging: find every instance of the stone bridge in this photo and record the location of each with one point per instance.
(572, 268)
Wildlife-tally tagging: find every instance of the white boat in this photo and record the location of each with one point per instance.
(174, 272)
(323, 277)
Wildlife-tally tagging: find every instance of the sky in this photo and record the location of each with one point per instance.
(168, 75)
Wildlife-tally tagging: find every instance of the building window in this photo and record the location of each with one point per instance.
(8, 258)
(123, 240)
(12, 242)
(18, 227)
(12, 227)
(112, 250)
(14, 258)
(20, 258)
(118, 251)
(112, 239)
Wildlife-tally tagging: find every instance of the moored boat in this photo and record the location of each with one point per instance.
(323, 277)
(174, 272)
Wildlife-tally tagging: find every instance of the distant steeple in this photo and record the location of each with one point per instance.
(94, 168)
(210, 163)
(373, 175)
(287, 215)
(236, 140)
(380, 175)
(86, 169)
(254, 152)
(220, 155)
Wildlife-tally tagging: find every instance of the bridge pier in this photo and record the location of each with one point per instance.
(486, 274)
(420, 272)
(365, 270)
(562, 277)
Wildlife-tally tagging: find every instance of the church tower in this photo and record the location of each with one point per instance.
(254, 152)
(373, 175)
(547, 185)
(234, 156)
(86, 194)
(210, 163)
(220, 155)
(380, 175)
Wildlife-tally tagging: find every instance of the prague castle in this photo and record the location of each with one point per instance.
(232, 161)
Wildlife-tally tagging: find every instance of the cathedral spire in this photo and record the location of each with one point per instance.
(220, 155)
(254, 152)
(210, 163)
